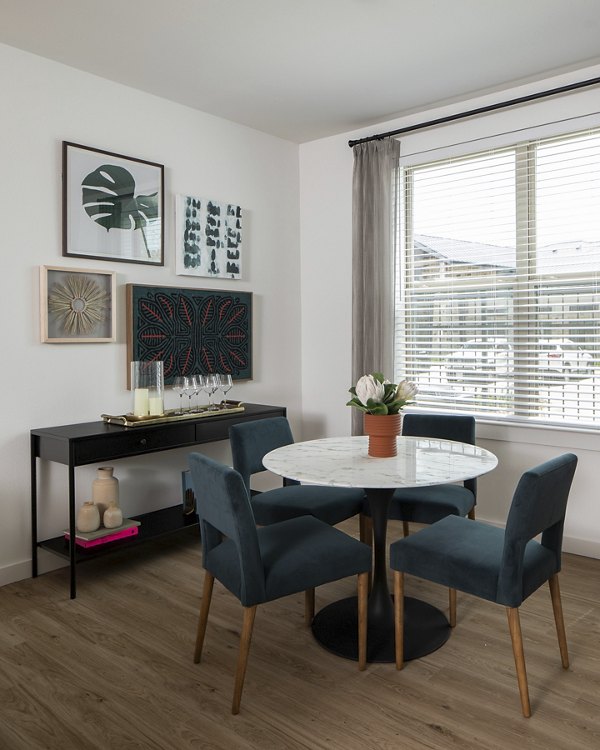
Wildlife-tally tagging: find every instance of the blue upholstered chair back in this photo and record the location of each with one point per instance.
(224, 511)
(251, 441)
(539, 506)
(445, 427)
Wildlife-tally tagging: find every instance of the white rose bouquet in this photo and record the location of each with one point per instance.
(374, 394)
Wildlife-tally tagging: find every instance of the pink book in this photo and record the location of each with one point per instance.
(131, 531)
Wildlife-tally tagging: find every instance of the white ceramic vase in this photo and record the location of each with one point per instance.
(88, 517)
(105, 489)
(113, 516)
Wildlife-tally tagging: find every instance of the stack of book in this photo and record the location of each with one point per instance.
(88, 539)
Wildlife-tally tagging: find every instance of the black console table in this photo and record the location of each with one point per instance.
(96, 442)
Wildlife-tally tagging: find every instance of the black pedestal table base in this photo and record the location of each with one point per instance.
(425, 630)
(336, 626)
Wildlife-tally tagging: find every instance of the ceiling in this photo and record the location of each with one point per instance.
(305, 69)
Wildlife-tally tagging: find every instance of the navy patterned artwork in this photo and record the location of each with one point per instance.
(193, 331)
(208, 238)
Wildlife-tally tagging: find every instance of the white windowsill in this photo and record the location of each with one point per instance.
(562, 437)
(533, 434)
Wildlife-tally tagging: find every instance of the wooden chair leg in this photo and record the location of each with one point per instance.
(558, 619)
(203, 619)
(405, 528)
(363, 592)
(366, 536)
(309, 606)
(514, 625)
(452, 607)
(246, 636)
(471, 514)
(399, 617)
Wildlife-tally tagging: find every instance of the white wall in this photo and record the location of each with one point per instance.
(326, 252)
(44, 103)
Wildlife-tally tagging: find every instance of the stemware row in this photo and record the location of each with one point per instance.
(192, 385)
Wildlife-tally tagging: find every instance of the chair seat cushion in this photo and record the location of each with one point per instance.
(430, 504)
(298, 554)
(329, 504)
(467, 555)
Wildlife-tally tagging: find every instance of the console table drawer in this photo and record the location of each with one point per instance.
(134, 443)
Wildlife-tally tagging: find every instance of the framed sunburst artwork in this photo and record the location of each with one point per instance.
(77, 306)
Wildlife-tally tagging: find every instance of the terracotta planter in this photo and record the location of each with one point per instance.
(382, 431)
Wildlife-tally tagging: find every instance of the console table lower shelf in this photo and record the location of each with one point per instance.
(158, 523)
(86, 443)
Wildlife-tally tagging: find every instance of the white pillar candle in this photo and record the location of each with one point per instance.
(155, 405)
(140, 402)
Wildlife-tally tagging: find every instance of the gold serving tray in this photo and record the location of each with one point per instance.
(130, 420)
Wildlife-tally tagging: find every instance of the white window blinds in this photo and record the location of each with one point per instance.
(497, 289)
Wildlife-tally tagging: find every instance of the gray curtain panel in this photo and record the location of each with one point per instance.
(375, 166)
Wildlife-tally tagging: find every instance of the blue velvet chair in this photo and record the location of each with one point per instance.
(502, 566)
(261, 564)
(250, 442)
(430, 504)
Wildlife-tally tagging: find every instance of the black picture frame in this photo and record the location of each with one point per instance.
(113, 206)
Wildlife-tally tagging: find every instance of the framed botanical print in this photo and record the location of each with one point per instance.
(113, 206)
(77, 306)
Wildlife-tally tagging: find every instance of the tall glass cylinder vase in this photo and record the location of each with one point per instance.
(147, 384)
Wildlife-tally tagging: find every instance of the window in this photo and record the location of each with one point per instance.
(498, 281)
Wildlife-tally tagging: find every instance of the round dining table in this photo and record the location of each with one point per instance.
(344, 462)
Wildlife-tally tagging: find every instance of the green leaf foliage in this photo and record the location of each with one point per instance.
(108, 197)
(357, 404)
(376, 407)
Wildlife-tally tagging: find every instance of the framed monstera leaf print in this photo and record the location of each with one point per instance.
(192, 331)
(113, 206)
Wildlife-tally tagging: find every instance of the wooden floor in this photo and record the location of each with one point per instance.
(113, 669)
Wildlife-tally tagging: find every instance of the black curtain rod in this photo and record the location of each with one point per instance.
(479, 111)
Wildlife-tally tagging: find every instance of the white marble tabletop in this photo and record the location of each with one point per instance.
(344, 462)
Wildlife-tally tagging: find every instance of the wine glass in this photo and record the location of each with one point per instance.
(201, 381)
(190, 389)
(209, 386)
(179, 386)
(197, 388)
(225, 384)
